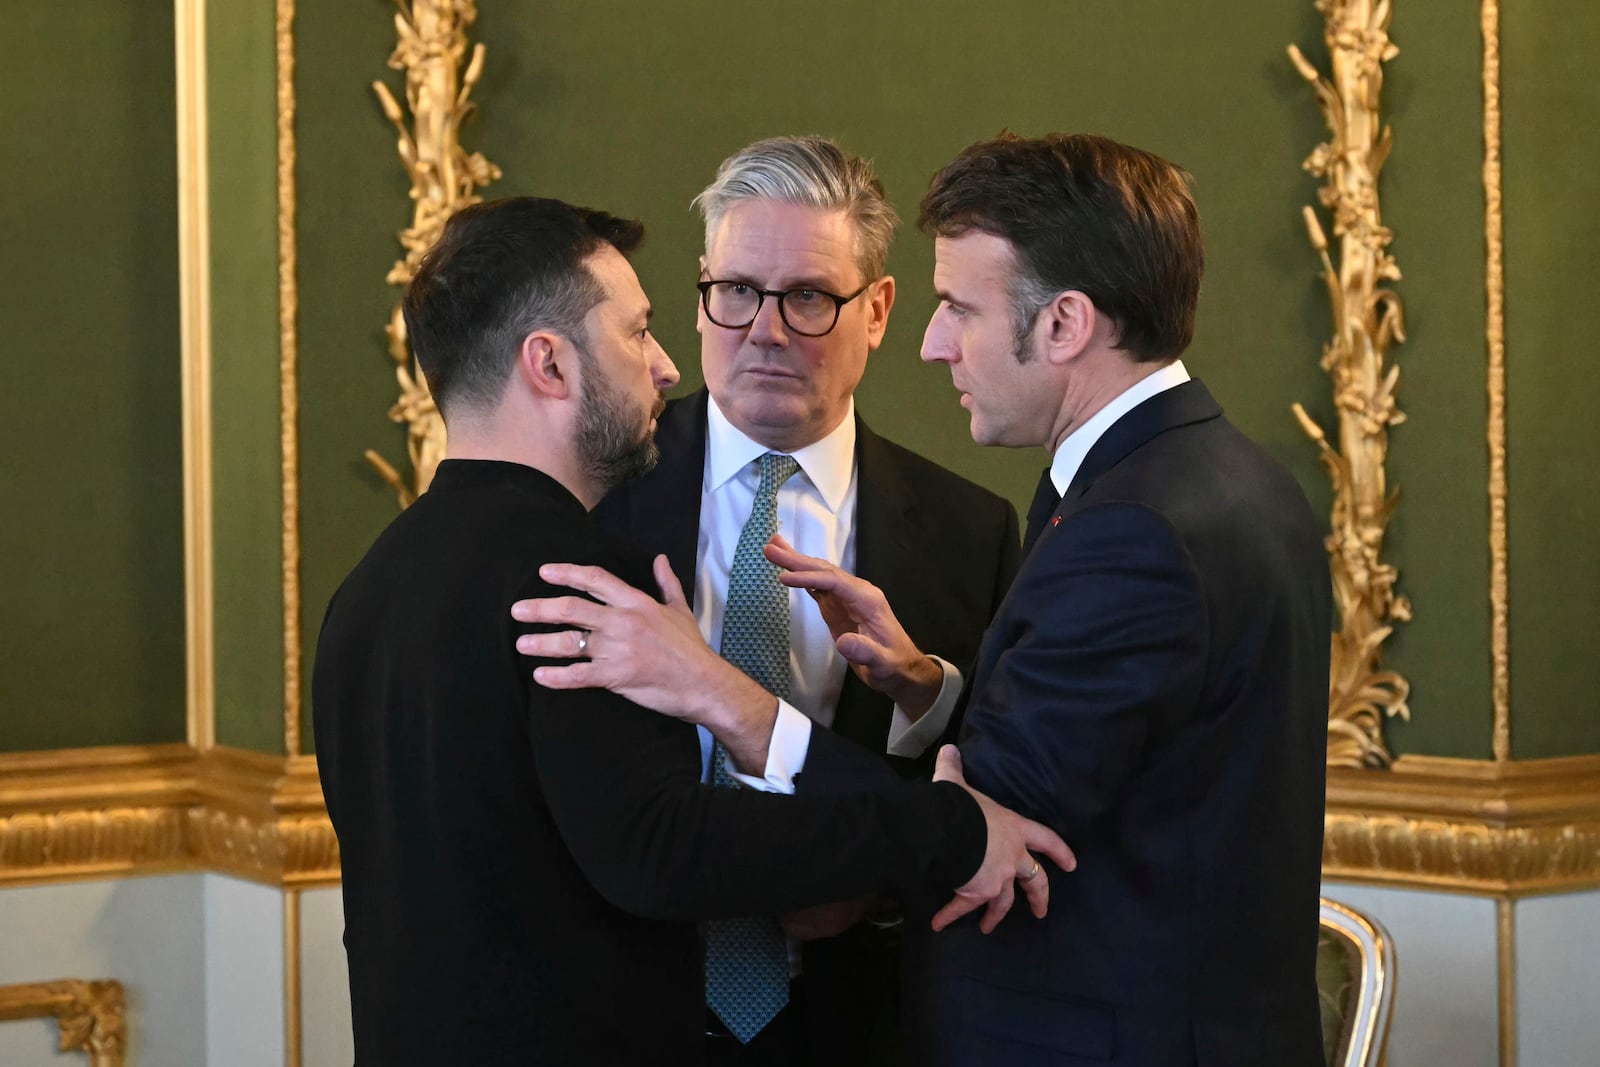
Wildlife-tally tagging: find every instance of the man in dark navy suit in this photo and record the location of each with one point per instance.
(1154, 686)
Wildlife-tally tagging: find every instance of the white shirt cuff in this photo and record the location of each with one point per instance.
(786, 753)
(911, 739)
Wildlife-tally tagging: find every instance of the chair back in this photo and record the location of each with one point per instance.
(1355, 983)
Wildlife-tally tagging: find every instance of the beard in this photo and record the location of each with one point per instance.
(614, 441)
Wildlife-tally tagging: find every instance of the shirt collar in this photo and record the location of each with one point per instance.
(828, 463)
(1071, 453)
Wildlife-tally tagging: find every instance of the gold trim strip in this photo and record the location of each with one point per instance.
(1495, 285)
(1506, 943)
(292, 1050)
(194, 299)
(94, 813)
(1473, 826)
(92, 1015)
(288, 388)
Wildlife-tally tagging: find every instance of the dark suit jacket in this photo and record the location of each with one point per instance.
(943, 550)
(523, 867)
(1155, 689)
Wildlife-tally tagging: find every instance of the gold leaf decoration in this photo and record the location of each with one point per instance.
(444, 179)
(1367, 321)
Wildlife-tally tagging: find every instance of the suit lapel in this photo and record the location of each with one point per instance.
(667, 500)
(1181, 405)
(886, 557)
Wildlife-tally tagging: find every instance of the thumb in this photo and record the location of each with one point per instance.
(671, 589)
(947, 765)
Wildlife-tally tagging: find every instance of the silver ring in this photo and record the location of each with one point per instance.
(583, 641)
(1031, 875)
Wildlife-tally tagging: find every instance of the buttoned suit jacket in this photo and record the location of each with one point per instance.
(944, 551)
(523, 867)
(1154, 688)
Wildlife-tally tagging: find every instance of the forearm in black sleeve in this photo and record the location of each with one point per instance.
(625, 794)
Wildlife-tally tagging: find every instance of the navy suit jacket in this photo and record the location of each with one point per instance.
(1155, 689)
(944, 551)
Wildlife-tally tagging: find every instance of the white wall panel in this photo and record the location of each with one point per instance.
(144, 932)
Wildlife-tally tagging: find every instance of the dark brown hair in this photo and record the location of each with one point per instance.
(500, 271)
(1086, 213)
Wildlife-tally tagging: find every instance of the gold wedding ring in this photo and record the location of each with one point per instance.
(1031, 875)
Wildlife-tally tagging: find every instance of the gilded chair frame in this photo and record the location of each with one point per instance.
(1367, 1022)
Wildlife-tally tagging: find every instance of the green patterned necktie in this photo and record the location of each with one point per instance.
(747, 960)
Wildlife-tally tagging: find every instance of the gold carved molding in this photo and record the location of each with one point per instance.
(288, 372)
(444, 179)
(1367, 320)
(1504, 829)
(91, 1014)
(1495, 336)
(110, 812)
(1475, 826)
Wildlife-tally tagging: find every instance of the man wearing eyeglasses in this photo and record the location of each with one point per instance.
(793, 300)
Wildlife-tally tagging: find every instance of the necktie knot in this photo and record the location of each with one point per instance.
(776, 468)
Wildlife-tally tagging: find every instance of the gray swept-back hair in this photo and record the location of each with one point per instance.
(812, 172)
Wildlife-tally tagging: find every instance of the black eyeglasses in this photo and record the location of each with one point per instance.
(808, 312)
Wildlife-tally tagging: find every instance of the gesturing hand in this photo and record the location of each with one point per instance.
(1007, 860)
(864, 628)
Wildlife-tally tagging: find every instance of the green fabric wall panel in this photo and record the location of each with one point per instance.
(352, 203)
(630, 108)
(1552, 108)
(91, 548)
(1432, 195)
(247, 493)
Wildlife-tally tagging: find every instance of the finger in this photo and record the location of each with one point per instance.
(1043, 839)
(596, 581)
(566, 644)
(671, 589)
(947, 766)
(861, 650)
(565, 610)
(816, 580)
(959, 905)
(580, 675)
(781, 553)
(997, 908)
(1037, 890)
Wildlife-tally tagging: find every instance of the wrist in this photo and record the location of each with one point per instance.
(919, 688)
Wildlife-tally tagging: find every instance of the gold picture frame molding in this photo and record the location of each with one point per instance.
(92, 1015)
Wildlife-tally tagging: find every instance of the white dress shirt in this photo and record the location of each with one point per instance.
(817, 515)
(1071, 452)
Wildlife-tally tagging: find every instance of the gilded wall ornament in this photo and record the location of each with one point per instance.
(1367, 320)
(91, 1015)
(444, 179)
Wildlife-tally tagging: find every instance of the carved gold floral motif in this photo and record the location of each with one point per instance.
(91, 1015)
(444, 179)
(1367, 320)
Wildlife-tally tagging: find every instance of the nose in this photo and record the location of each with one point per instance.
(768, 327)
(662, 370)
(938, 345)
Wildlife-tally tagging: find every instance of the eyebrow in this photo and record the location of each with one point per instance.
(804, 281)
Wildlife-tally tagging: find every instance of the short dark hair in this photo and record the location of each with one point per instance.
(500, 271)
(1083, 212)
